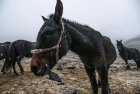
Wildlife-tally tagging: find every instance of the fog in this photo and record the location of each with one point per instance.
(117, 19)
(133, 42)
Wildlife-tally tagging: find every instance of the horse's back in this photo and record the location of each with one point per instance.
(133, 53)
(91, 34)
(21, 47)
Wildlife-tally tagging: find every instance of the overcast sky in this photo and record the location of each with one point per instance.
(21, 19)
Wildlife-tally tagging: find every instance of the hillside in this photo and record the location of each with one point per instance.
(133, 43)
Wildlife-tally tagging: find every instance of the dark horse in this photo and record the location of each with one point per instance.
(4, 54)
(128, 54)
(57, 36)
(18, 50)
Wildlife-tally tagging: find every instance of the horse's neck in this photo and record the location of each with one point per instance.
(79, 42)
(123, 49)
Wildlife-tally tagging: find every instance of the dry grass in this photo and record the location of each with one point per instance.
(121, 82)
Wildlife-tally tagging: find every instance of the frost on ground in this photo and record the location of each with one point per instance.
(121, 81)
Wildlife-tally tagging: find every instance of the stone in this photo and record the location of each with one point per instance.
(70, 91)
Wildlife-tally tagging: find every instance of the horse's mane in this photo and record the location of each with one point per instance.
(51, 16)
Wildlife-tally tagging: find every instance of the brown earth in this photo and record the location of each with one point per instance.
(121, 81)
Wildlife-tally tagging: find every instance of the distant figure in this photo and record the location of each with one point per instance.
(128, 54)
(4, 54)
(18, 50)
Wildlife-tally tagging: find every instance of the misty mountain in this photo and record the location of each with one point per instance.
(133, 43)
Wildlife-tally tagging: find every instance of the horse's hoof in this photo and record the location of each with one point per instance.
(16, 74)
(128, 67)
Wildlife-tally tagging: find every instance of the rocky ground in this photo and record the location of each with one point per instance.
(75, 79)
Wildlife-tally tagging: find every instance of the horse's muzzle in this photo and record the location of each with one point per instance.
(39, 65)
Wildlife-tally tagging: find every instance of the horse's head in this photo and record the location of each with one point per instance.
(51, 39)
(119, 44)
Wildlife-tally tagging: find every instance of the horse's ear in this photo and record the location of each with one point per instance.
(44, 19)
(58, 11)
(121, 40)
(116, 40)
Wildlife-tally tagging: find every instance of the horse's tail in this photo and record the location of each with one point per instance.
(12, 54)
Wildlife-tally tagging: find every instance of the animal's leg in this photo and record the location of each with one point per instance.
(101, 67)
(4, 66)
(99, 83)
(127, 65)
(98, 79)
(49, 71)
(138, 63)
(14, 69)
(19, 63)
(91, 74)
(103, 73)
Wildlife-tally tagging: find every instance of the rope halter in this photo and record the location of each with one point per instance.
(56, 47)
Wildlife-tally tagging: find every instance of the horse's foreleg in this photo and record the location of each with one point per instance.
(137, 63)
(98, 79)
(14, 68)
(4, 66)
(127, 65)
(19, 63)
(101, 67)
(103, 73)
(91, 74)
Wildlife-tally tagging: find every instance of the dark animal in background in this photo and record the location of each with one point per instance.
(57, 36)
(18, 50)
(128, 54)
(4, 54)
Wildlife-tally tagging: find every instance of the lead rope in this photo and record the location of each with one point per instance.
(58, 43)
